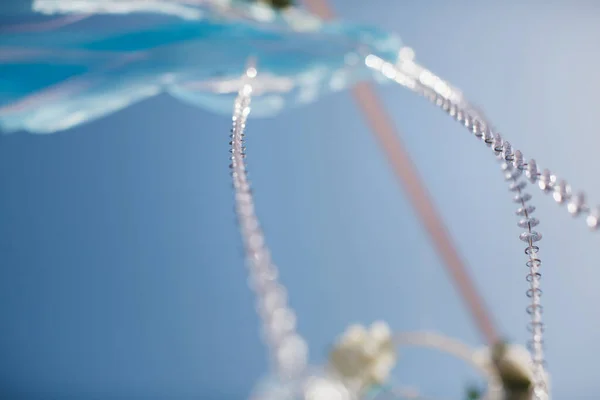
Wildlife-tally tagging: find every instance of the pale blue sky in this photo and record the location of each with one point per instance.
(121, 270)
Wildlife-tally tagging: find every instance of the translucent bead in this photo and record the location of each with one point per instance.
(525, 210)
(497, 143)
(532, 171)
(255, 240)
(282, 323)
(263, 278)
(516, 186)
(314, 385)
(532, 236)
(467, 121)
(488, 137)
(452, 110)
(576, 204)
(562, 192)
(593, 220)
(243, 197)
(518, 159)
(506, 166)
(292, 355)
(459, 116)
(546, 181)
(512, 174)
(522, 198)
(528, 222)
(446, 105)
(507, 152)
(260, 256)
(245, 210)
(250, 224)
(273, 300)
(476, 128)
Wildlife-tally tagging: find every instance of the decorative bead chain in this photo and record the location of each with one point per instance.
(451, 101)
(288, 350)
(513, 169)
(425, 83)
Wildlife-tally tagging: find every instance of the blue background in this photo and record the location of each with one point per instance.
(121, 270)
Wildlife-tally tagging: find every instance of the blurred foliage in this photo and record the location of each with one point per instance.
(474, 393)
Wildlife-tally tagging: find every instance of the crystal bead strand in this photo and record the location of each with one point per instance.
(512, 165)
(425, 83)
(443, 95)
(288, 350)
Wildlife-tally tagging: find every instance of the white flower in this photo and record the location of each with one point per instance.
(364, 356)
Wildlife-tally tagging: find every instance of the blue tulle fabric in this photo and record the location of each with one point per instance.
(68, 72)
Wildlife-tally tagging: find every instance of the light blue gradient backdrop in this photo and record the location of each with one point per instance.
(121, 271)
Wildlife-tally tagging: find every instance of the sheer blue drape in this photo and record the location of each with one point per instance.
(66, 75)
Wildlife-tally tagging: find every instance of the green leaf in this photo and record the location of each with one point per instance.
(474, 393)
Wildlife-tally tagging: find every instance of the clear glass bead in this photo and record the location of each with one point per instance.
(263, 277)
(243, 197)
(497, 143)
(255, 240)
(245, 210)
(282, 323)
(525, 210)
(467, 122)
(524, 197)
(576, 204)
(593, 220)
(477, 128)
(250, 224)
(446, 105)
(562, 192)
(452, 110)
(292, 354)
(274, 299)
(518, 159)
(532, 236)
(546, 181)
(507, 152)
(532, 171)
(516, 186)
(528, 222)
(512, 174)
(487, 136)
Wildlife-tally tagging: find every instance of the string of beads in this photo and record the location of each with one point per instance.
(288, 350)
(452, 102)
(439, 92)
